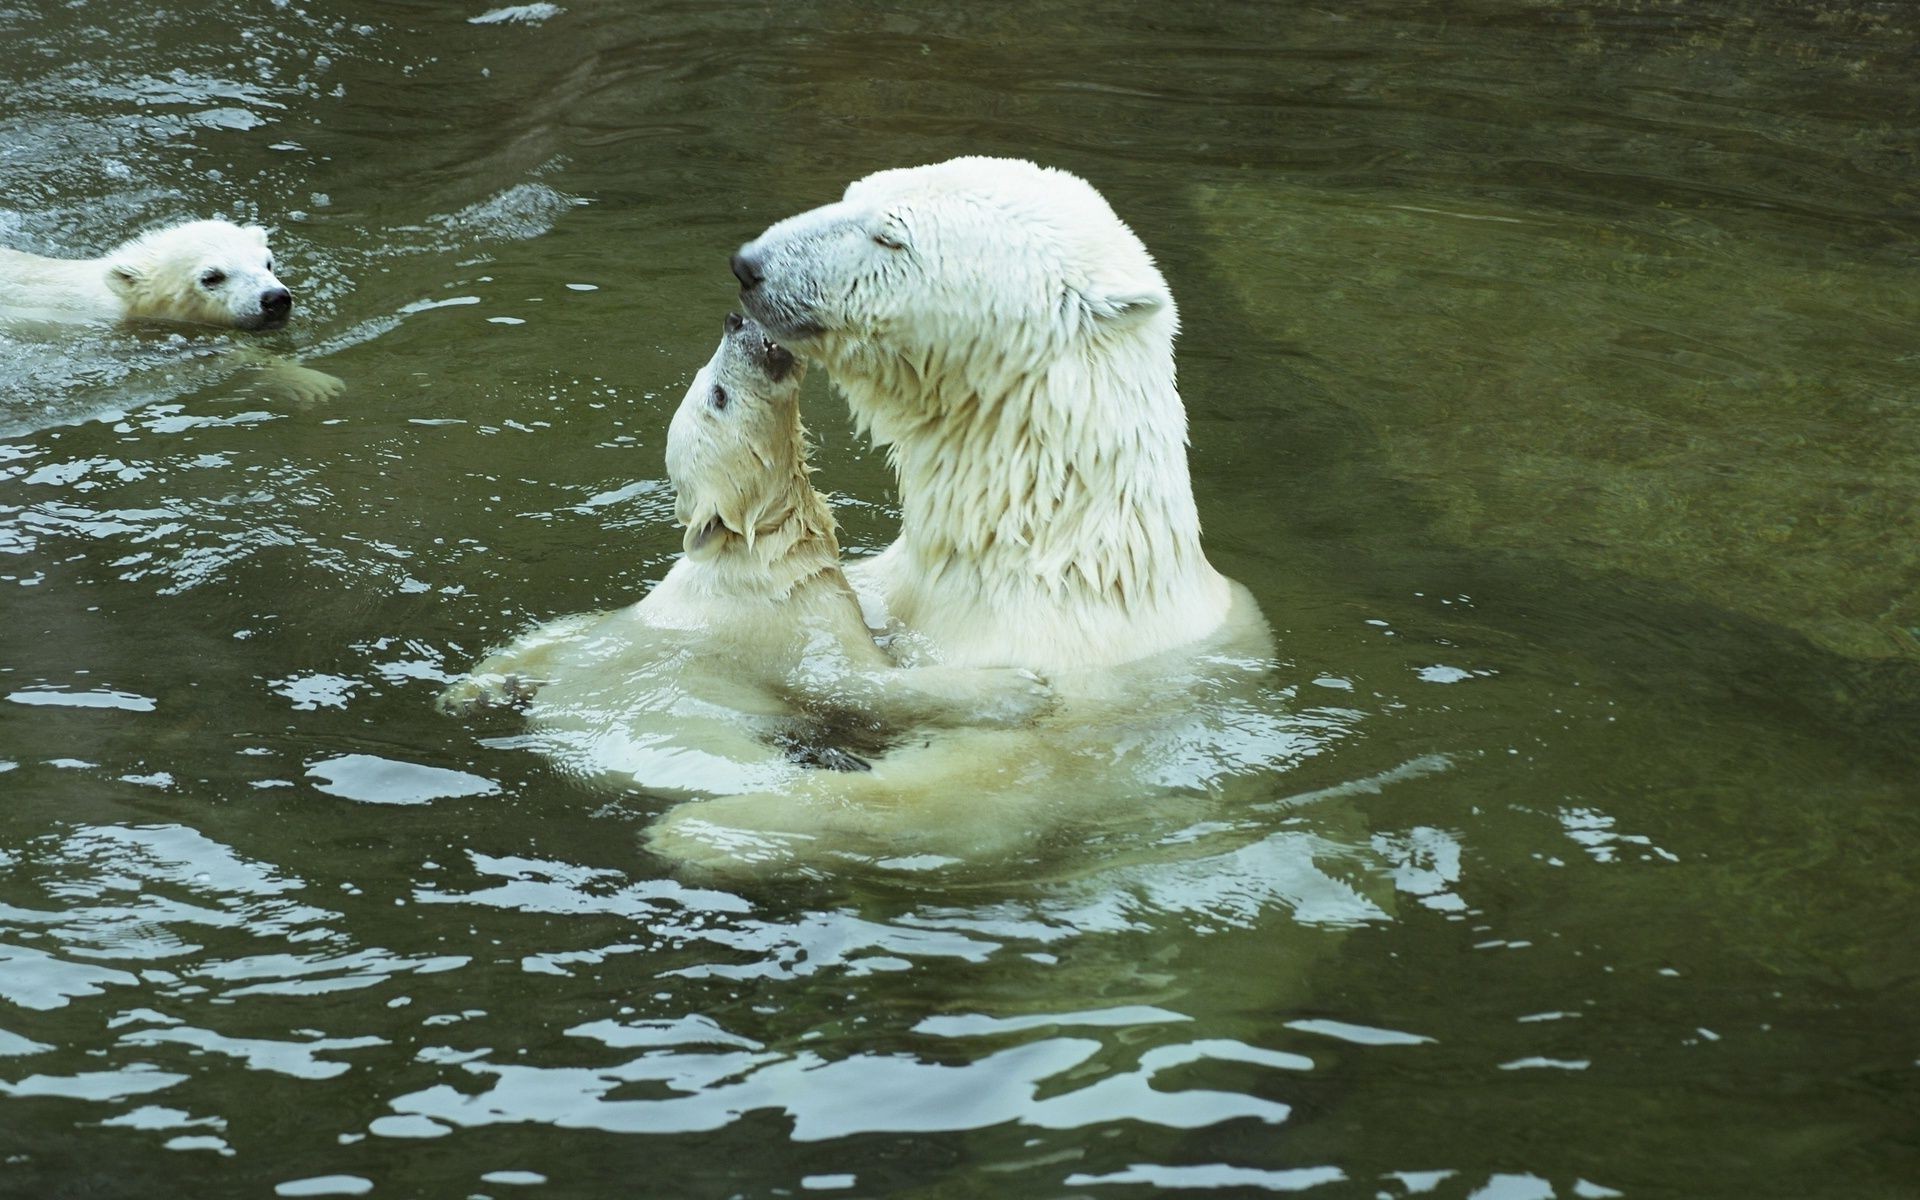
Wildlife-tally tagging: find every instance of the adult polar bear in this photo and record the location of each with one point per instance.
(199, 272)
(998, 327)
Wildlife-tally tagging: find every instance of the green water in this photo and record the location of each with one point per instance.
(1552, 374)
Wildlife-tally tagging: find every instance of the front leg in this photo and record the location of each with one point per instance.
(287, 378)
(1000, 697)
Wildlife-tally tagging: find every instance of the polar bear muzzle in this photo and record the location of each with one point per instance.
(779, 311)
(276, 305)
(767, 356)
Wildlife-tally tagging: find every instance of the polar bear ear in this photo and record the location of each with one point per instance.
(1117, 308)
(259, 234)
(124, 277)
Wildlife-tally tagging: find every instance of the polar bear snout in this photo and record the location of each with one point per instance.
(748, 269)
(276, 305)
(774, 303)
(766, 356)
(749, 359)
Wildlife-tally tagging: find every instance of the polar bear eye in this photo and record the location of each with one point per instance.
(889, 241)
(719, 399)
(213, 279)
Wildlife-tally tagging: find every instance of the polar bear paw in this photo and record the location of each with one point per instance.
(1012, 696)
(302, 385)
(996, 697)
(484, 692)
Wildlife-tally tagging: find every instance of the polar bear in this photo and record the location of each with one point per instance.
(1008, 338)
(748, 664)
(200, 272)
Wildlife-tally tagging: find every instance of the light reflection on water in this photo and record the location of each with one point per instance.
(1549, 373)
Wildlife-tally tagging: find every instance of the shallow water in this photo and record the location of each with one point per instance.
(1552, 380)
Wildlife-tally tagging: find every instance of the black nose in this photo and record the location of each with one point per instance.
(734, 322)
(747, 270)
(276, 302)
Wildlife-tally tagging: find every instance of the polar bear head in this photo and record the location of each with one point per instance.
(736, 451)
(203, 273)
(976, 272)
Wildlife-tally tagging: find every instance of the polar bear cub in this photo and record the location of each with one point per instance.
(752, 650)
(200, 273)
(1009, 339)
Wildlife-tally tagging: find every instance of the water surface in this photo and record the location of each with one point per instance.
(1552, 380)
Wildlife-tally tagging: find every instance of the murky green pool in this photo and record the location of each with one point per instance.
(1553, 380)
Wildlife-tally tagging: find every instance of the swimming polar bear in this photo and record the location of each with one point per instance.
(201, 273)
(750, 659)
(1008, 338)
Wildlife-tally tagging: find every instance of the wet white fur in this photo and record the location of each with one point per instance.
(753, 625)
(1009, 339)
(156, 276)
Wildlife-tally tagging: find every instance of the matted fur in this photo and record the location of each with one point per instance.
(1004, 334)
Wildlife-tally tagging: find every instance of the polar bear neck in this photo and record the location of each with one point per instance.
(791, 544)
(1064, 481)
